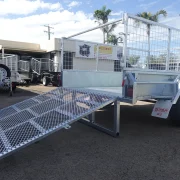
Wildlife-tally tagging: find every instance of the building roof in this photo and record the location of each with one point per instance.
(21, 46)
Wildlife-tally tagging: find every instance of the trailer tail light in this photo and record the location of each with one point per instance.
(124, 80)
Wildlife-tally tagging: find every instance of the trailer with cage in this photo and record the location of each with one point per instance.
(9, 76)
(95, 75)
(145, 66)
(40, 70)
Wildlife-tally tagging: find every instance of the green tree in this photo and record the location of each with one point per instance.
(133, 59)
(152, 17)
(102, 17)
(114, 40)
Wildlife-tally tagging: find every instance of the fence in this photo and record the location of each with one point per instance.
(135, 43)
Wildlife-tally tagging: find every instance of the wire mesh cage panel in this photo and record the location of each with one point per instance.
(174, 55)
(32, 119)
(36, 65)
(150, 45)
(44, 64)
(24, 65)
(130, 42)
(10, 61)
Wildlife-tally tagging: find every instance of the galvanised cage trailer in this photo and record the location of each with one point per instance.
(9, 76)
(42, 70)
(94, 75)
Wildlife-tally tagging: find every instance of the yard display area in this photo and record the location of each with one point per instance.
(147, 148)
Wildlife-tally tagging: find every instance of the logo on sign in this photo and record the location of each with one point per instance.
(84, 50)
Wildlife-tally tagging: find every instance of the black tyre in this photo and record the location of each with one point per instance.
(6, 69)
(174, 114)
(34, 78)
(46, 80)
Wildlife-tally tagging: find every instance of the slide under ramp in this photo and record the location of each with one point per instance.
(28, 121)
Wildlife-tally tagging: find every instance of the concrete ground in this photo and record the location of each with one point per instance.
(147, 149)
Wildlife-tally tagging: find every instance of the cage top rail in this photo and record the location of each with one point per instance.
(97, 27)
(151, 22)
(122, 20)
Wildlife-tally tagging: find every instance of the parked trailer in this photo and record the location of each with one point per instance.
(9, 76)
(149, 67)
(105, 79)
(40, 70)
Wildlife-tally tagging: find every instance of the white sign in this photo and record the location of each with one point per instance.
(162, 109)
(89, 50)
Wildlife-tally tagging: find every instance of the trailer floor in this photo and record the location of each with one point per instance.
(148, 148)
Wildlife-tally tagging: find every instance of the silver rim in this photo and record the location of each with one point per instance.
(44, 80)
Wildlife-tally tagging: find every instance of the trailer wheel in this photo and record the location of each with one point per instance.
(34, 78)
(175, 114)
(46, 80)
(6, 69)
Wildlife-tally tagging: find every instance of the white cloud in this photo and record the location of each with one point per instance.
(148, 5)
(31, 28)
(25, 7)
(74, 4)
(117, 13)
(65, 23)
(117, 1)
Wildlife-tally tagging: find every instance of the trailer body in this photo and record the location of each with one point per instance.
(145, 66)
(42, 70)
(11, 63)
(95, 75)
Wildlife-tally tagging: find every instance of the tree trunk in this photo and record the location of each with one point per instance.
(104, 37)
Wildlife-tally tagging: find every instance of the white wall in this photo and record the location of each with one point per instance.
(90, 64)
(91, 79)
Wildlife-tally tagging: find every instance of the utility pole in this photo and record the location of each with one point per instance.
(49, 31)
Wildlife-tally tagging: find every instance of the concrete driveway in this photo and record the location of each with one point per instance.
(147, 148)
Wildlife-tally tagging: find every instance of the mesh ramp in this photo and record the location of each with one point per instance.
(30, 120)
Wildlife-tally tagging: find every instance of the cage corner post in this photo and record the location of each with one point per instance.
(125, 21)
(62, 59)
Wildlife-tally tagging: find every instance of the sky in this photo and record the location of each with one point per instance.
(24, 20)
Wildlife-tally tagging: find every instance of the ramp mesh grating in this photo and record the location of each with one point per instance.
(35, 118)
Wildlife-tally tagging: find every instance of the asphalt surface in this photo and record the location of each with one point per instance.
(147, 148)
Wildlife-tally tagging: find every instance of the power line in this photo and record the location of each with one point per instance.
(49, 31)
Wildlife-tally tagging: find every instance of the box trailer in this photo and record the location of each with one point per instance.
(40, 70)
(9, 76)
(95, 76)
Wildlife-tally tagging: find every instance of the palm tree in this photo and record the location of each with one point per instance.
(151, 17)
(102, 16)
(114, 40)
